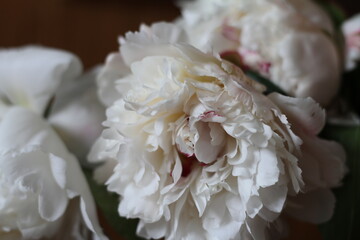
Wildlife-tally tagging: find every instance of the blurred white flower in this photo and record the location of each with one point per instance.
(196, 151)
(77, 114)
(289, 42)
(30, 76)
(42, 188)
(43, 193)
(351, 30)
(38, 77)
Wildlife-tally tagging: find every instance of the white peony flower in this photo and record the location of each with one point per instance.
(42, 189)
(290, 42)
(43, 193)
(351, 30)
(38, 78)
(196, 151)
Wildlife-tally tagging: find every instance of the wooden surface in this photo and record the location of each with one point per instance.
(89, 28)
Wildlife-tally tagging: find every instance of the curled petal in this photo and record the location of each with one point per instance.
(30, 76)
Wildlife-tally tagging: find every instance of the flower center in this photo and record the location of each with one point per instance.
(185, 138)
(187, 163)
(199, 141)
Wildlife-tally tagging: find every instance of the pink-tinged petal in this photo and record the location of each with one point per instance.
(231, 33)
(351, 31)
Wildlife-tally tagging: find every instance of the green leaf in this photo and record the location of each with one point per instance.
(337, 16)
(108, 204)
(345, 224)
(335, 12)
(270, 86)
(234, 58)
(49, 107)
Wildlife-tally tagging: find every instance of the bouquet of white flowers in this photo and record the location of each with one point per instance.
(223, 124)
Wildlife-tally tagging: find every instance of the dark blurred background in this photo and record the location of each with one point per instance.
(89, 28)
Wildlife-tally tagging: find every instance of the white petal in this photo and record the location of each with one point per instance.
(152, 230)
(31, 168)
(205, 152)
(236, 207)
(253, 206)
(217, 220)
(268, 170)
(273, 197)
(77, 183)
(303, 113)
(30, 76)
(217, 134)
(21, 127)
(135, 45)
(78, 115)
(113, 70)
(300, 66)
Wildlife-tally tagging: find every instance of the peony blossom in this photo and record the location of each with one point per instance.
(351, 30)
(45, 79)
(77, 114)
(43, 193)
(196, 151)
(289, 42)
